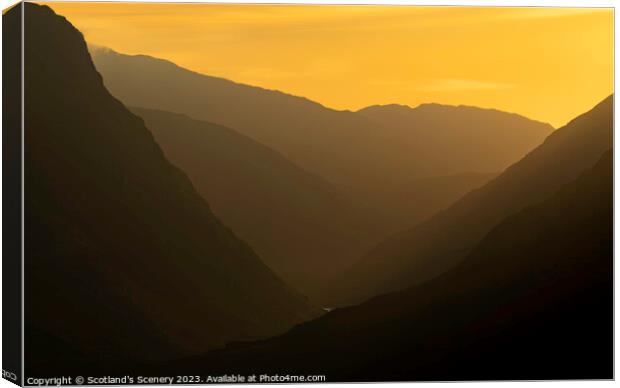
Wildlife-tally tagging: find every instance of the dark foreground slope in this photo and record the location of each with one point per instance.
(299, 224)
(533, 300)
(366, 158)
(441, 242)
(124, 260)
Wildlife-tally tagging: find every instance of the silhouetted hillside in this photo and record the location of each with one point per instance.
(300, 225)
(124, 260)
(533, 300)
(445, 239)
(365, 158)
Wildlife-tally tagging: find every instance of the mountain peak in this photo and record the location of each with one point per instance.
(437, 108)
(391, 107)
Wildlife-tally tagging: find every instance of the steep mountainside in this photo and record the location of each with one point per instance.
(533, 300)
(124, 260)
(300, 225)
(365, 158)
(442, 241)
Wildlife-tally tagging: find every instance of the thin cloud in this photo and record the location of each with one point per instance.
(451, 84)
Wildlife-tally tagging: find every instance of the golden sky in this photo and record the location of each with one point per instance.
(549, 64)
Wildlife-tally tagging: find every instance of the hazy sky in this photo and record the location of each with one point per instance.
(548, 64)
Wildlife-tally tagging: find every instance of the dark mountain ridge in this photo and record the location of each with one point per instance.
(124, 259)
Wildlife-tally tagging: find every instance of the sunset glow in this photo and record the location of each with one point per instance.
(548, 64)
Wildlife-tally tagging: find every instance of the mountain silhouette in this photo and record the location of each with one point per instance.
(124, 259)
(442, 241)
(298, 223)
(360, 154)
(533, 300)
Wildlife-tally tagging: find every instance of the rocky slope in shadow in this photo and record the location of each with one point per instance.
(124, 260)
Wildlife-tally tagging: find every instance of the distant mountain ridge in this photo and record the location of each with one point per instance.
(125, 262)
(436, 130)
(404, 110)
(365, 158)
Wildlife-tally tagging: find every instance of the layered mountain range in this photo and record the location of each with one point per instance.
(208, 227)
(381, 170)
(366, 155)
